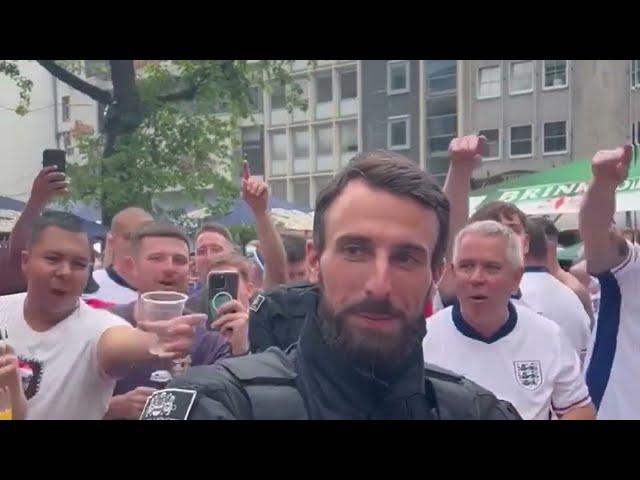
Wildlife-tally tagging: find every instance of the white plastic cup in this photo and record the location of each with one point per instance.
(161, 306)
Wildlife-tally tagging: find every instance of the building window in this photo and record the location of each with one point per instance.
(252, 149)
(521, 141)
(441, 76)
(278, 98)
(555, 137)
(324, 148)
(66, 143)
(255, 99)
(66, 110)
(349, 137)
(301, 191)
(520, 77)
(301, 151)
(398, 133)
(493, 143)
(398, 77)
(635, 73)
(278, 189)
(321, 183)
(324, 90)
(555, 74)
(279, 153)
(489, 84)
(442, 124)
(303, 83)
(348, 85)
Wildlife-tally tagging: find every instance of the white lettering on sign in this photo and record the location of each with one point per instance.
(559, 190)
(511, 196)
(566, 189)
(530, 194)
(624, 185)
(582, 188)
(547, 191)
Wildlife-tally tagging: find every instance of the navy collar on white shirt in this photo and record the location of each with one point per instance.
(468, 331)
(536, 270)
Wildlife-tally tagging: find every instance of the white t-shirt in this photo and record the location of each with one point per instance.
(529, 362)
(110, 290)
(551, 298)
(61, 376)
(594, 293)
(613, 361)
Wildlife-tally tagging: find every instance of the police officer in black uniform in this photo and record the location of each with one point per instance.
(276, 316)
(380, 232)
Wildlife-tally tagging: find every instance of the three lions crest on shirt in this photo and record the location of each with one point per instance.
(528, 373)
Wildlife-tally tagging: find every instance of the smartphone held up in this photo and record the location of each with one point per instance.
(222, 288)
(57, 158)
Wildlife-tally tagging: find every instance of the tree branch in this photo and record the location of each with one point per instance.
(190, 92)
(62, 74)
(186, 94)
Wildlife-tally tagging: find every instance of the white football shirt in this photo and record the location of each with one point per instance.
(528, 362)
(61, 375)
(112, 289)
(551, 298)
(613, 361)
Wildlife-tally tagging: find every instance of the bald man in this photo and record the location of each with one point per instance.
(114, 281)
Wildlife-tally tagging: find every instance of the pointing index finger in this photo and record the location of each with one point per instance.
(246, 171)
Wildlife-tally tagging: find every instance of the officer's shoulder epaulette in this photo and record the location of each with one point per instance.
(439, 373)
(282, 293)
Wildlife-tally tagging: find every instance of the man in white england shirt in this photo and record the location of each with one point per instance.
(69, 353)
(548, 296)
(613, 361)
(115, 283)
(518, 355)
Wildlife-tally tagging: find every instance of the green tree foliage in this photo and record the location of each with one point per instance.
(168, 126)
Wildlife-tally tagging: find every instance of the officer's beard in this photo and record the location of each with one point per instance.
(380, 354)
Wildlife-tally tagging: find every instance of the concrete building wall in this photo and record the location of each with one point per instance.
(379, 106)
(23, 138)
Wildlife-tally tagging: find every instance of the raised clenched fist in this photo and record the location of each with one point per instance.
(612, 165)
(467, 151)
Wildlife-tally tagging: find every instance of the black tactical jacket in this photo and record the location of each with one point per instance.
(311, 381)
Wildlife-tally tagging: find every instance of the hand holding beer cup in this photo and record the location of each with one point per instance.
(162, 316)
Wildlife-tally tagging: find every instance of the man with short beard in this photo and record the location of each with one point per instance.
(380, 231)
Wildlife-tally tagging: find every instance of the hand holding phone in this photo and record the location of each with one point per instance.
(57, 158)
(51, 180)
(222, 288)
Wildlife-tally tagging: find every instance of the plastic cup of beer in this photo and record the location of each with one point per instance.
(5, 404)
(159, 307)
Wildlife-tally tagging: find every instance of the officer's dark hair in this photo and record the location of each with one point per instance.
(395, 174)
(215, 228)
(157, 228)
(538, 247)
(496, 210)
(62, 220)
(294, 246)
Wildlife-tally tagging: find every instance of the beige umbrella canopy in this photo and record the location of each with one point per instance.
(292, 220)
(8, 219)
